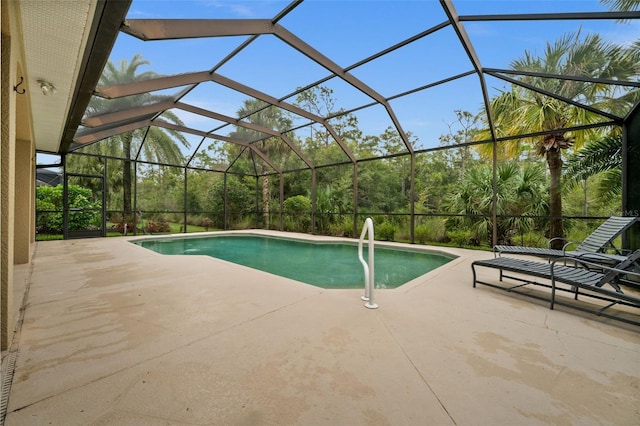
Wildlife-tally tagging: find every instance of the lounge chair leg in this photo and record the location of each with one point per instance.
(553, 292)
(473, 269)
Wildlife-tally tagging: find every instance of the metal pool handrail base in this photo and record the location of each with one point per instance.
(368, 268)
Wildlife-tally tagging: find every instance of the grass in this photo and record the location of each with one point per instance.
(48, 237)
(176, 228)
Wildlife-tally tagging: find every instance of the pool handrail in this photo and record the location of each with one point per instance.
(368, 268)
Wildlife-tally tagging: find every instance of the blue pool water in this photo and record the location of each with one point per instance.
(327, 265)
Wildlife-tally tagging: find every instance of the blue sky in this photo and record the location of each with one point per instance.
(350, 31)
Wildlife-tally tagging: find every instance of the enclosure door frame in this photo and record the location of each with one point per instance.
(86, 233)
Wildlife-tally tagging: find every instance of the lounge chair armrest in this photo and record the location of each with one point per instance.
(566, 244)
(598, 265)
(598, 257)
(555, 239)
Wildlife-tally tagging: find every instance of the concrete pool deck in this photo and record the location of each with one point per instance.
(117, 334)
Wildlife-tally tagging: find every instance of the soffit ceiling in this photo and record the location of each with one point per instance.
(55, 34)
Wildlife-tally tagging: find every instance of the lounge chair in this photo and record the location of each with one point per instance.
(597, 242)
(587, 273)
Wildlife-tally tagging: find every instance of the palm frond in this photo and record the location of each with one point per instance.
(597, 156)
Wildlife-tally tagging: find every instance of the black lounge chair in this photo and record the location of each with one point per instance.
(597, 242)
(588, 272)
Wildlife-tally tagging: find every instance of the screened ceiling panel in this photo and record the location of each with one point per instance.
(192, 120)
(176, 146)
(102, 106)
(212, 154)
(181, 58)
(619, 99)
(431, 120)
(429, 59)
(242, 135)
(248, 162)
(346, 81)
(279, 70)
(495, 7)
(317, 144)
(312, 20)
(280, 153)
(268, 117)
(363, 136)
(111, 147)
(566, 114)
(500, 43)
(344, 97)
(218, 98)
(205, 9)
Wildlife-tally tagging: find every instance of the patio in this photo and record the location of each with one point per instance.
(116, 334)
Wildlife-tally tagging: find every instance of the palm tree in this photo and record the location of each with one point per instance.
(257, 112)
(622, 5)
(160, 145)
(520, 192)
(600, 155)
(523, 111)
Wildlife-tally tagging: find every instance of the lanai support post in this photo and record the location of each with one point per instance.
(105, 188)
(631, 176)
(313, 200)
(185, 200)
(135, 199)
(224, 207)
(412, 198)
(355, 199)
(65, 198)
(281, 202)
(258, 211)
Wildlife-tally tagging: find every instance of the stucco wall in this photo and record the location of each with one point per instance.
(7, 167)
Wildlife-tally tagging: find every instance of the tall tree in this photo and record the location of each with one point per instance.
(520, 193)
(258, 112)
(600, 155)
(159, 145)
(460, 132)
(521, 111)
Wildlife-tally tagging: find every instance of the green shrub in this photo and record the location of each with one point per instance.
(459, 237)
(297, 210)
(385, 232)
(49, 218)
(240, 199)
(341, 228)
(432, 230)
(247, 221)
(297, 205)
(421, 234)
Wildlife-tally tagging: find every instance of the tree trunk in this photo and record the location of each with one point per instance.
(126, 177)
(554, 162)
(585, 210)
(265, 197)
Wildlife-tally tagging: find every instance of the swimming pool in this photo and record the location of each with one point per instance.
(323, 264)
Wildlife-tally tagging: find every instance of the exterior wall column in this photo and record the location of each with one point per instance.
(24, 201)
(7, 191)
